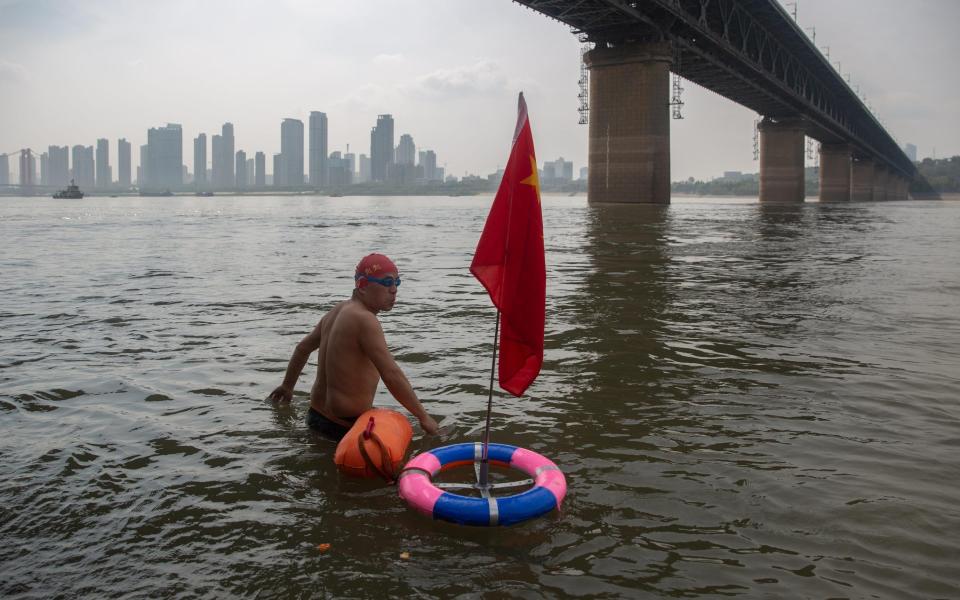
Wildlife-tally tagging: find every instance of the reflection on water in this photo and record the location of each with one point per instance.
(747, 399)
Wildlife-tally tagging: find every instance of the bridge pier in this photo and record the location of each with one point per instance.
(861, 180)
(629, 151)
(880, 181)
(835, 172)
(781, 160)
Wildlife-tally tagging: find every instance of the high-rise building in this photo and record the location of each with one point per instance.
(277, 167)
(363, 174)
(123, 163)
(216, 168)
(104, 176)
(406, 151)
(144, 165)
(4, 170)
(291, 151)
(200, 161)
(223, 157)
(911, 151)
(260, 169)
(381, 147)
(58, 165)
(428, 160)
(339, 170)
(165, 157)
(558, 170)
(318, 149)
(241, 170)
(251, 171)
(44, 168)
(28, 168)
(83, 172)
(351, 159)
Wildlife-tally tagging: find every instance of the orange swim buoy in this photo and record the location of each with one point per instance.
(377, 433)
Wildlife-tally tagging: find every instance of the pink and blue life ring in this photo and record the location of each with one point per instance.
(417, 488)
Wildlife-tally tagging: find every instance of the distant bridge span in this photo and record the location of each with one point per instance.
(749, 51)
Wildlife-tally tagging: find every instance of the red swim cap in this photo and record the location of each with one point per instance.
(375, 264)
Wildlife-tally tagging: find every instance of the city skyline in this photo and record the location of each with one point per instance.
(452, 88)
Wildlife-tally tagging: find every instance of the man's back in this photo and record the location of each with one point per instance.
(346, 378)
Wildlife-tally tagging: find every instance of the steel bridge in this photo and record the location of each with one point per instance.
(751, 52)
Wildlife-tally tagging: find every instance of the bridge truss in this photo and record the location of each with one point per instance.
(749, 51)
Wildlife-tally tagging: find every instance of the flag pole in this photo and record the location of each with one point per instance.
(483, 478)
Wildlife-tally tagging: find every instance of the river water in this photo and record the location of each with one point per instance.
(747, 400)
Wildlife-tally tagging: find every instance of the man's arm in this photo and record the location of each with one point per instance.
(374, 345)
(300, 356)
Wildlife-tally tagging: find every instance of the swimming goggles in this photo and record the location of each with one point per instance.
(385, 281)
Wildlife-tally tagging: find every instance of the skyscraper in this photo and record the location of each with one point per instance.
(165, 156)
(144, 165)
(200, 161)
(277, 167)
(911, 151)
(259, 169)
(363, 174)
(4, 170)
(241, 169)
(104, 176)
(44, 168)
(58, 165)
(28, 168)
(223, 157)
(406, 150)
(83, 173)
(318, 149)
(291, 151)
(123, 162)
(428, 160)
(381, 147)
(216, 168)
(351, 159)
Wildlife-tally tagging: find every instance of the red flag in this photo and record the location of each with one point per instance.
(509, 262)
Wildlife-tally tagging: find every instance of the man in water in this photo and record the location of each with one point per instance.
(353, 356)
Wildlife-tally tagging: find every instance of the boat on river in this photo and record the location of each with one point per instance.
(72, 192)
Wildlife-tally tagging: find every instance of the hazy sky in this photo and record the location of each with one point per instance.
(72, 71)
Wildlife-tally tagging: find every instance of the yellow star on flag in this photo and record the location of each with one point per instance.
(533, 179)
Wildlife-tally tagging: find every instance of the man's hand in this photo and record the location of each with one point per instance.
(429, 425)
(281, 394)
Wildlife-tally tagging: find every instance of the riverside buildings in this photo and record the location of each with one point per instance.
(28, 167)
(82, 172)
(164, 167)
(318, 149)
(104, 176)
(381, 147)
(200, 161)
(123, 163)
(222, 150)
(259, 169)
(4, 170)
(291, 153)
(241, 170)
(58, 166)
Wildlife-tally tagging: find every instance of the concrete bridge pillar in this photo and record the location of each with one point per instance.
(781, 160)
(629, 152)
(835, 172)
(880, 180)
(862, 175)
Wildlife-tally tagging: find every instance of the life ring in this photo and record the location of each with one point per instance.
(375, 445)
(417, 488)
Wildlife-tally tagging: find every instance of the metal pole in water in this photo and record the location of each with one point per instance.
(482, 478)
